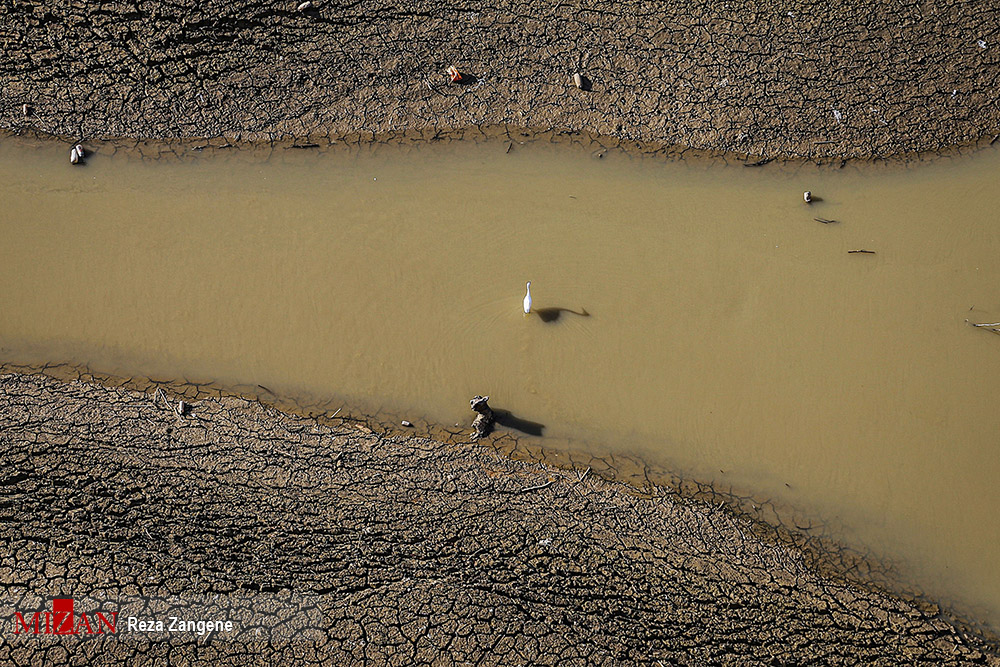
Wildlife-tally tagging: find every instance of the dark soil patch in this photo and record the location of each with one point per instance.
(811, 79)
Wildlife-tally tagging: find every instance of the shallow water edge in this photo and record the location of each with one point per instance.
(90, 220)
(181, 148)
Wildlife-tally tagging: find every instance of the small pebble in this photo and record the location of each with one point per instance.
(406, 424)
(305, 6)
(182, 407)
(27, 110)
(578, 80)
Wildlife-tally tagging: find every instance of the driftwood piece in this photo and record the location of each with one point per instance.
(483, 424)
(993, 327)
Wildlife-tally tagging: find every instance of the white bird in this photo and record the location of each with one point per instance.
(527, 300)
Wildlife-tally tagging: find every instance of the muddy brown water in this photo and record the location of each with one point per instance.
(728, 333)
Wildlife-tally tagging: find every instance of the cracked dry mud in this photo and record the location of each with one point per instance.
(813, 79)
(335, 546)
(332, 546)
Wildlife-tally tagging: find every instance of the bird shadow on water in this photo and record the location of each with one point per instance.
(549, 315)
(507, 419)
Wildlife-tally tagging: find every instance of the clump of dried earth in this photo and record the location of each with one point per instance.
(329, 545)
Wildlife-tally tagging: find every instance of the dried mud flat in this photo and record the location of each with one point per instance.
(331, 545)
(810, 79)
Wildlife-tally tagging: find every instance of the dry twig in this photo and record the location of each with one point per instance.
(537, 488)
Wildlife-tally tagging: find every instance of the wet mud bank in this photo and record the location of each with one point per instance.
(814, 80)
(327, 543)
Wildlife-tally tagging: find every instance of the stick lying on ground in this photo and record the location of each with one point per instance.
(539, 487)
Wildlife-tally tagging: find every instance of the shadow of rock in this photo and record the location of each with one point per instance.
(509, 420)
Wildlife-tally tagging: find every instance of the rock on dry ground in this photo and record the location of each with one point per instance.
(329, 545)
(819, 79)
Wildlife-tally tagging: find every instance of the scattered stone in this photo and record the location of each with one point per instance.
(304, 6)
(407, 424)
(27, 110)
(578, 81)
(182, 408)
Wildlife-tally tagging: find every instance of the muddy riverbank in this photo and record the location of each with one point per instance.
(328, 543)
(819, 80)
